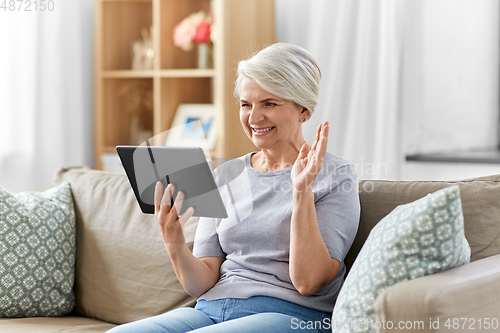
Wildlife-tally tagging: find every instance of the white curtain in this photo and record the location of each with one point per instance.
(451, 81)
(358, 46)
(45, 93)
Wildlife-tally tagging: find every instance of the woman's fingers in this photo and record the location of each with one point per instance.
(170, 223)
(166, 199)
(316, 138)
(167, 196)
(158, 196)
(317, 154)
(304, 150)
(178, 202)
(320, 150)
(323, 139)
(186, 216)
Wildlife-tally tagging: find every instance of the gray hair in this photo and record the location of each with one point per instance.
(284, 70)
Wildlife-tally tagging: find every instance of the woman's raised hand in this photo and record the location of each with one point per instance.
(167, 216)
(310, 160)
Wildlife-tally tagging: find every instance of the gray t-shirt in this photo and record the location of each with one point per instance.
(255, 237)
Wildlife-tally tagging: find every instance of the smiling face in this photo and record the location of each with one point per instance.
(269, 121)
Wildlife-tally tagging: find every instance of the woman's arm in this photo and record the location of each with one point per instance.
(311, 265)
(196, 275)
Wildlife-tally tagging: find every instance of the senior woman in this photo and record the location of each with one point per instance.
(275, 264)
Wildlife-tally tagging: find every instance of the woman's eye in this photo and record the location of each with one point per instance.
(245, 105)
(270, 104)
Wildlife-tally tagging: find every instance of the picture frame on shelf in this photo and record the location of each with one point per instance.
(111, 163)
(194, 125)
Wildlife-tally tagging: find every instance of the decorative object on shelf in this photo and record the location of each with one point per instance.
(142, 50)
(193, 126)
(205, 58)
(138, 102)
(111, 163)
(196, 29)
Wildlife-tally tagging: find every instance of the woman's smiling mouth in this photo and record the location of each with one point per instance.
(262, 130)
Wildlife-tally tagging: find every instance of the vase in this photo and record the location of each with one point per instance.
(140, 129)
(205, 56)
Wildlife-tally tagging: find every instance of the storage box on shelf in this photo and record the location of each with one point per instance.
(173, 78)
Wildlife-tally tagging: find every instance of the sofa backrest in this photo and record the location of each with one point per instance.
(123, 272)
(480, 205)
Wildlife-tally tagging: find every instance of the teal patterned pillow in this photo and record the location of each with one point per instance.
(37, 253)
(416, 239)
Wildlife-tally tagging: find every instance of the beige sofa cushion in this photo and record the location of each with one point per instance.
(123, 272)
(467, 296)
(51, 325)
(479, 203)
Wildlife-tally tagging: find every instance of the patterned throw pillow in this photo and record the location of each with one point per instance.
(416, 239)
(37, 253)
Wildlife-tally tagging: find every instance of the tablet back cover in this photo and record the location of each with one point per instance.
(185, 168)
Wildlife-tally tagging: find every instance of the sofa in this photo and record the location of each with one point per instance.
(123, 273)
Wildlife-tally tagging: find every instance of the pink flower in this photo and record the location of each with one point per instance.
(194, 28)
(202, 33)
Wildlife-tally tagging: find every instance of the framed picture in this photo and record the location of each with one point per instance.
(193, 126)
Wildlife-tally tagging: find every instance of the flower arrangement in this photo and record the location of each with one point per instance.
(196, 28)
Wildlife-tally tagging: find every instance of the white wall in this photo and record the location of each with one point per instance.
(450, 97)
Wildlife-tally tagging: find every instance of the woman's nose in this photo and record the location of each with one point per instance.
(255, 115)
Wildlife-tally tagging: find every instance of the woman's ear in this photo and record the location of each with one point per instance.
(305, 114)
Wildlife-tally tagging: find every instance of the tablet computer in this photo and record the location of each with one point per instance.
(185, 167)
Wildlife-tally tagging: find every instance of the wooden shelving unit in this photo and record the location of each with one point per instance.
(241, 27)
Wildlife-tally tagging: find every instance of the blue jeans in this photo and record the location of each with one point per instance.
(255, 314)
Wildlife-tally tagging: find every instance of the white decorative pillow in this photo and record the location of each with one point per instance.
(37, 253)
(416, 239)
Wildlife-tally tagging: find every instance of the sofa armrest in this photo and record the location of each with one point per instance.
(469, 293)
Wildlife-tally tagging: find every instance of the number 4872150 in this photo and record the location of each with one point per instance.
(27, 5)
(471, 323)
